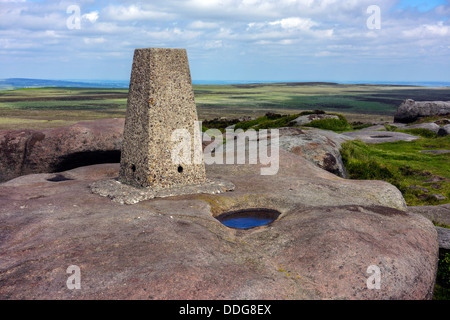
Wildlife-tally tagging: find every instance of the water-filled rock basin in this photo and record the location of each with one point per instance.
(248, 218)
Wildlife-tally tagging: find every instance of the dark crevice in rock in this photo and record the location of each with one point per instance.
(59, 178)
(87, 158)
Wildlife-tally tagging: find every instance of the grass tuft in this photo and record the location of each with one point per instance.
(337, 125)
(425, 133)
(269, 121)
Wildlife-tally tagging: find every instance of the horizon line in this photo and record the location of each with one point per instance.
(236, 82)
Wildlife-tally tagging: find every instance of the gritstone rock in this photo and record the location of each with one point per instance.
(410, 110)
(330, 231)
(36, 151)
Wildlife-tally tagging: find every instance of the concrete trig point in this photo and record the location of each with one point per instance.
(160, 101)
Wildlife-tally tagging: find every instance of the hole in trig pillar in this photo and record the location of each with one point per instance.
(180, 169)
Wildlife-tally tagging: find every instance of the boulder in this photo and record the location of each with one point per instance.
(435, 151)
(439, 214)
(444, 237)
(444, 131)
(410, 110)
(438, 197)
(35, 151)
(375, 127)
(442, 122)
(429, 126)
(379, 136)
(399, 125)
(321, 147)
(331, 236)
(302, 120)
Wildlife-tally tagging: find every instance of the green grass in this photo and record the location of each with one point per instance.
(401, 164)
(425, 133)
(275, 120)
(443, 275)
(441, 293)
(269, 121)
(442, 287)
(337, 125)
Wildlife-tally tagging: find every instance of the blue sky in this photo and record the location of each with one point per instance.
(420, 5)
(281, 40)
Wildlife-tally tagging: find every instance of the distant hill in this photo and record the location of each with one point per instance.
(18, 83)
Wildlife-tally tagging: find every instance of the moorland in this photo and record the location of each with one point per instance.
(39, 108)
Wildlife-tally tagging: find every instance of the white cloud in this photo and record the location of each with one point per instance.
(111, 27)
(325, 54)
(52, 34)
(17, 44)
(213, 44)
(438, 29)
(203, 25)
(94, 40)
(425, 30)
(286, 41)
(134, 13)
(91, 16)
(286, 31)
(294, 23)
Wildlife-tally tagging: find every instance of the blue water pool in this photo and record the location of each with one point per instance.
(248, 218)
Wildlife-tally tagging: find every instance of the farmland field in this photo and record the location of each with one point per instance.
(38, 108)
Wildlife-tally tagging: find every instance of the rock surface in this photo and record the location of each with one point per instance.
(439, 214)
(330, 231)
(36, 151)
(410, 110)
(380, 136)
(429, 126)
(399, 125)
(43, 151)
(435, 151)
(302, 120)
(127, 194)
(438, 197)
(444, 237)
(376, 127)
(321, 147)
(445, 130)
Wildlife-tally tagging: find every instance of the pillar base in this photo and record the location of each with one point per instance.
(127, 194)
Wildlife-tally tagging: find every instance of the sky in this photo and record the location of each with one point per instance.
(246, 40)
